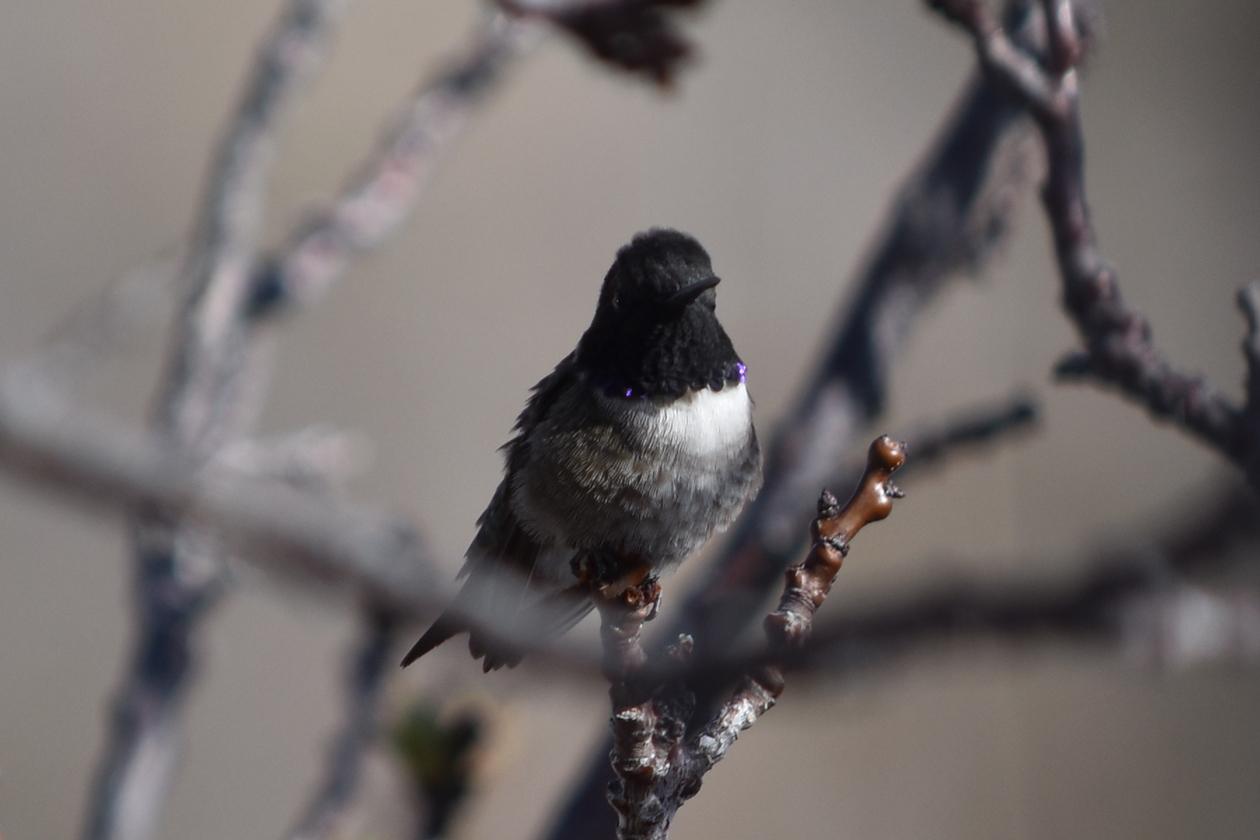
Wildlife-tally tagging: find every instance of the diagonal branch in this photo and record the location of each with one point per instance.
(218, 267)
(385, 186)
(951, 218)
(1119, 350)
(1008, 63)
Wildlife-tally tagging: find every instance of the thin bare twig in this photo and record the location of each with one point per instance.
(385, 186)
(938, 443)
(657, 764)
(202, 404)
(1119, 351)
(218, 269)
(370, 663)
(1122, 597)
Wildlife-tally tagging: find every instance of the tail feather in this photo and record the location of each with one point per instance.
(512, 599)
(554, 615)
(494, 654)
(441, 630)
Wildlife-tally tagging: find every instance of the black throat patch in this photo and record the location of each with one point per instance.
(661, 359)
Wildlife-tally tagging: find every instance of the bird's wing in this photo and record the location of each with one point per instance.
(541, 398)
(499, 569)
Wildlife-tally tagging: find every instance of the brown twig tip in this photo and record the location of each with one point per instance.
(873, 499)
(807, 585)
(887, 454)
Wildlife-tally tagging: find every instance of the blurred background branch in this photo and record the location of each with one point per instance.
(206, 399)
(369, 662)
(1119, 350)
(203, 484)
(385, 186)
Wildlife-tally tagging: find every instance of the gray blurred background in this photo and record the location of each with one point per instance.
(780, 151)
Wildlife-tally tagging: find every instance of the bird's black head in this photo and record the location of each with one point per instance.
(655, 332)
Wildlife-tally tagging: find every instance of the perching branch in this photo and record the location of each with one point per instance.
(806, 588)
(637, 759)
(1119, 351)
(204, 401)
(658, 765)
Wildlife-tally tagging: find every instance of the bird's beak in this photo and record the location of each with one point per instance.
(687, 294)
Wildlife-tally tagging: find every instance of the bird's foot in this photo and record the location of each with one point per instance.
(613, 576)
(652, 595)
(643, 597)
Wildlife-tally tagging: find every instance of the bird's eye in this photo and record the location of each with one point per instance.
(616, 300)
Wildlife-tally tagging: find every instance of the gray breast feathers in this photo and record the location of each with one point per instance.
(651, 477)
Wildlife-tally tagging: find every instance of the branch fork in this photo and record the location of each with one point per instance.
(1119, 351)
(660, 752)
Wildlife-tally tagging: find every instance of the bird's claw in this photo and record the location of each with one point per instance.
(652, 596)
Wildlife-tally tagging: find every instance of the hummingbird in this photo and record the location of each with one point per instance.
(628, 456)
